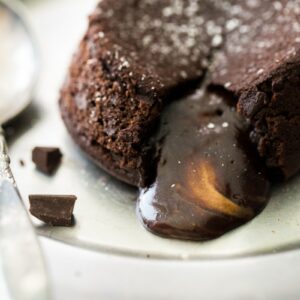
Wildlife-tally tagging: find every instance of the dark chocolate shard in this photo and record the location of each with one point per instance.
(46, 159)
(209, 179)
(56, 210)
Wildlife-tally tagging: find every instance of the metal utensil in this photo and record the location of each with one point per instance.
(20, 253)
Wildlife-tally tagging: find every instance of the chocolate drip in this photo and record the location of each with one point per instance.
(209, 177)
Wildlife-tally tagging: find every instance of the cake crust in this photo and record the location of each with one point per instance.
(260, 64)
(134, 58)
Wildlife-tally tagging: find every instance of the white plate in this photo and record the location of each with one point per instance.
(81, 274)
(105, 209)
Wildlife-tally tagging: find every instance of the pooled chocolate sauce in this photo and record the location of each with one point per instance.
(209, 178)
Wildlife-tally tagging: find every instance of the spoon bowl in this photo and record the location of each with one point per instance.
(18, 61)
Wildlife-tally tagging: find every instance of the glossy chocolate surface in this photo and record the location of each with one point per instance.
(209, 177)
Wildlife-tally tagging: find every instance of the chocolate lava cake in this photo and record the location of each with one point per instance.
(190, 100)
(139, 55)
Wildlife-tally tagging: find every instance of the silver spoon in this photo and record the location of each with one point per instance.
(21, 259)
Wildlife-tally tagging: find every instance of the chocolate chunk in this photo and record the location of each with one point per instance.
(46, 159)
(56, 210)
(209, 178)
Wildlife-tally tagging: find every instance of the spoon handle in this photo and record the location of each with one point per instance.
(5, 171)
(21, 259)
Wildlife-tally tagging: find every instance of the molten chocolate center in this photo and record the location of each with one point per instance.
(209, 177)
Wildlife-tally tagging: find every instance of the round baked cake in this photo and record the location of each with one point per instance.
(137, 56)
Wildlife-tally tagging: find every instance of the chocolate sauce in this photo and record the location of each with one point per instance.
(209, 177)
